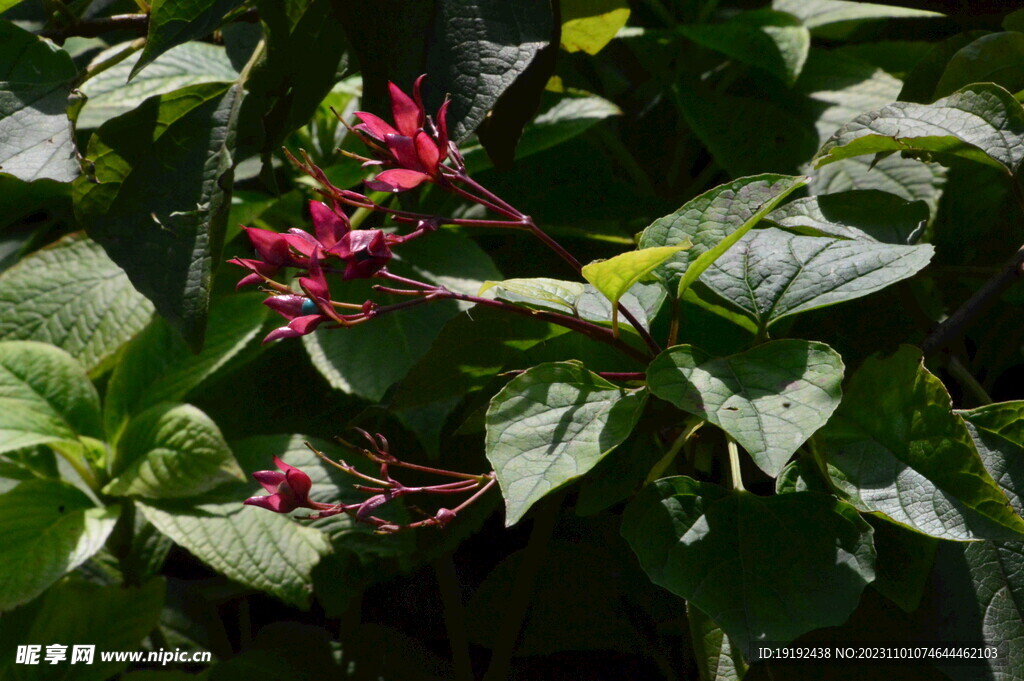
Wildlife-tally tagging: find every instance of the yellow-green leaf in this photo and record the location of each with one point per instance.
(589, 25)
(615, 276)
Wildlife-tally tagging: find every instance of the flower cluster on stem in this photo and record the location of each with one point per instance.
(289, 489)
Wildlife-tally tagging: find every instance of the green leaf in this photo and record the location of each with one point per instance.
(615, 276)
(171, 450)
(717, 657)
(981, 122)
(762, 568)
(1014, 21)
(905, 561)
(158, 366)
(110, 94)
(482, 47)
(45, 396)
(996, 58)
(817, 14)
(49, 529)
(770, 398)
(589, 26)
(70, 294)
(172, 23)
(552, 424)
(35, 81)
(895, 441)
(774, 41)
(555, 294)
(305, 57)
(567, 118)
(907, 178)
(839, 87)
(158, 196)
(112, 618)
(860, 214)
(977, 593)
(249, 545)
(713, 222)
(350, 359)
(772, 274)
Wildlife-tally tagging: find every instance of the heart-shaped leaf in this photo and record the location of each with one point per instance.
(770, 398)
(552, 424)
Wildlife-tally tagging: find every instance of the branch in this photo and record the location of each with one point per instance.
(135, 23)
(958, 322)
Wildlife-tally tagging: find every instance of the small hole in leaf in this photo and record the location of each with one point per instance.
(60, 509)
(787, 405)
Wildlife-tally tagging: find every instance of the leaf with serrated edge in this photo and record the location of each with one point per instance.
(252, 546)
(45, 396)
(899, 450)
(552, 424)
(772, 274)
(770, 398)
(762, 568)
(172, 450)
(49, 529)
(70, 294)
(713, 222)
(981, 122)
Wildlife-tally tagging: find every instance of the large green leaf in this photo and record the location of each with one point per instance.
(981, 122)
(556, 294)
(774, 41)
(70, 294)
(45, 396)
(717, 657)
(35, 134)
(770, 398)
(49, 529)
(111, 618)
(763, 568)
(172, 23)
(351, 360)
(996, 58)
(895, 442)
(158, 367)
(772, 274)
(110, 94)
(713, 222)
(158, 193)
(481, 48)
(252, 546)
(919, 83)
(171, 450)
(552, 424)
(858, 214)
